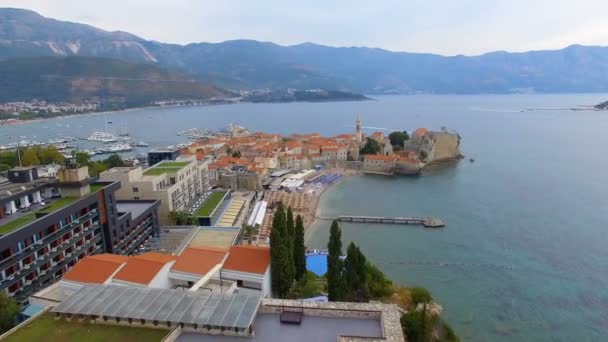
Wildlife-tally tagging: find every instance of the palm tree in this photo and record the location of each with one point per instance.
(250, 231)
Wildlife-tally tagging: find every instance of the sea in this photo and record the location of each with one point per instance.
(524, 256)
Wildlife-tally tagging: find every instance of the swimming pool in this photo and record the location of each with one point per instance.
(317, 263)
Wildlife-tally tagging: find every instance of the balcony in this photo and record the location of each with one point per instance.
(37, 262)
(27, 290)
(15, 258)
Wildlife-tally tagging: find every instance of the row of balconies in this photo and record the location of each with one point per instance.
(36, 246)
(42, 259)
(32, 285)
(136, 230)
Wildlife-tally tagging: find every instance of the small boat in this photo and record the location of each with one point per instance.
(472, 160)
(141, 144)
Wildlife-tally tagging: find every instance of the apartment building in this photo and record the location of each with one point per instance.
(48, 224)
(176, 184)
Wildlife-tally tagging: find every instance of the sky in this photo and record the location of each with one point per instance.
(447, 27)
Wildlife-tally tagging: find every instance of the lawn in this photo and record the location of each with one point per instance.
(97, 187)
(58, 204)
(16, 223)
(46, 328)
(210, 204)
(173, 164)
(31, 216)
(155, 171)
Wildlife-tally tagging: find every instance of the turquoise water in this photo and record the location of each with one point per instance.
(524, 256)
(317, 263)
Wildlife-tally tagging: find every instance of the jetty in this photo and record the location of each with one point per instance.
(428, 222)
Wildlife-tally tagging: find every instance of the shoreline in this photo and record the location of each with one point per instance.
(12, 122)
(315, 207)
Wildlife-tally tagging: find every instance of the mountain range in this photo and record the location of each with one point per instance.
(248, 64)
(114, 83)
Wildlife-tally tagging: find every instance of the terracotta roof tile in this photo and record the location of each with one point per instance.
(93, 270)
(110, 257)
(199, 261)
(140, 271)
(155, 256)
(250, 259)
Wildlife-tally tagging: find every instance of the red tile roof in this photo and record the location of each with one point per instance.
(139, 270)
(250, 259)
(199, 260)
(95, 269)
(381, 157)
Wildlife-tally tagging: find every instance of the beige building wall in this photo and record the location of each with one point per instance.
(176, 191)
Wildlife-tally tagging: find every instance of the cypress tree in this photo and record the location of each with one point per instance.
(299, 250)
(275, 254)
(335, 283)
(289, 242)
(355, 274)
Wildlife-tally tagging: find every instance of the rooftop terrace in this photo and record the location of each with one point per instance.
(16, 222)
(47, 328)
(211, 203)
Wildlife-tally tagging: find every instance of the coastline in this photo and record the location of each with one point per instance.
(315, 208)
(22, 122)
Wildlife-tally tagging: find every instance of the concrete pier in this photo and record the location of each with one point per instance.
(425, 222)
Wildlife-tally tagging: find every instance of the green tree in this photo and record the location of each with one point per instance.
(378, 285)
(289, 241)
(236, 154)
(95, 168)
(29, 157)
(114, 161)
(4, 167)
(416, 325)
(398, 138)
(279, 254)
(50, 155)
(250, 232)
(299, 250)
(371, 147)
(8, 158)
(8, 312)
(335, 283)
(420, 295)
(82, 158)
(355, 274)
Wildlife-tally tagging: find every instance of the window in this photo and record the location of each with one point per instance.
(136, 197)
(135, 189)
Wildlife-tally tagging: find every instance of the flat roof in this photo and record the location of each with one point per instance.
(164, 305)
(268, 328)
(222, 237)
(47, 328)
(135, 208)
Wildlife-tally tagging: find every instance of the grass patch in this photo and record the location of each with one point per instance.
(155, 171)
(46, 328)
(97, 187)
(58, 204)
(31, 216)
(210, 204)
(17, 223)
(172, 164)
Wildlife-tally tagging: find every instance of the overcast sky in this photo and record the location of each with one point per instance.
(446, 27)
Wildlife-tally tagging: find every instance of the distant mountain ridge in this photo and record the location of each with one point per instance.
(246, 64)
(114, 83)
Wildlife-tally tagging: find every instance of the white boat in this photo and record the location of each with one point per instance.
(141, 144)
(104, 137)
